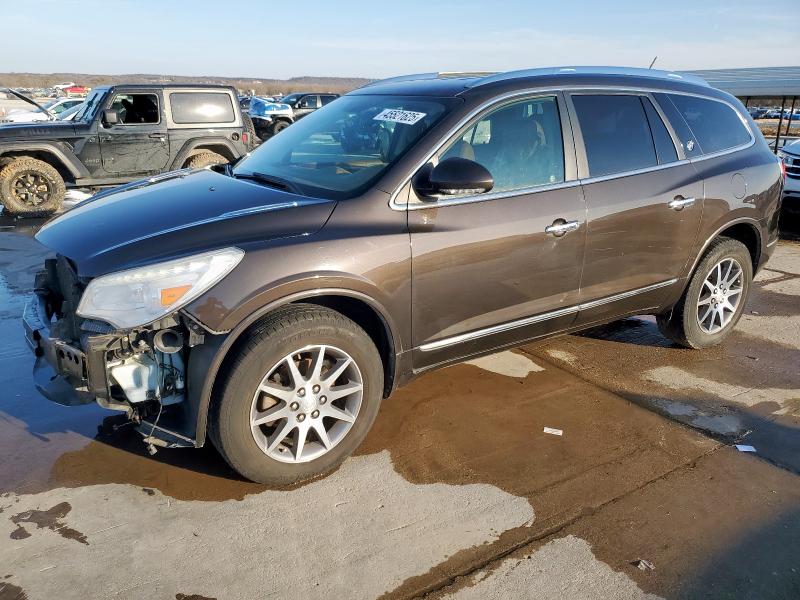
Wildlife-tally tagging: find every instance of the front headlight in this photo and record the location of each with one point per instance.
(143, 295)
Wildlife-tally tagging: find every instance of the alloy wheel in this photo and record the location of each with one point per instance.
(31, 188)
(306, 404)
(720, 295)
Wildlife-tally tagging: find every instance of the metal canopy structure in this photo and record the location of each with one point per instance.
(751, 83)
(767, 82)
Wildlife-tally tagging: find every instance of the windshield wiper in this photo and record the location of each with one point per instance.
(270, 180)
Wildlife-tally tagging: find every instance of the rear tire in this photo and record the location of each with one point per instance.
(31, 188)
(205, 159)
(714, 300)
(260, 385)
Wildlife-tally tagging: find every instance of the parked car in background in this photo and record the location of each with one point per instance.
(790, 155)
(270, 117)
(269, 307)
(69, 114)
(757, 112)
(305, 103)
(48, 112)
(121, 134)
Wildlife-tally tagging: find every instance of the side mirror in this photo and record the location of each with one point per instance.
(453, 177)
(110, 116)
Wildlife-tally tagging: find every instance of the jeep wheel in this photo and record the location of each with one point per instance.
(279, 126)
(31, 188)
(714, 300)
(250, 129)
(205, 159)
(301, 394)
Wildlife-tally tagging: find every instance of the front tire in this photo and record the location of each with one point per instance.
(31, 188)
(300, 395)
(715, 298)
(279, 126)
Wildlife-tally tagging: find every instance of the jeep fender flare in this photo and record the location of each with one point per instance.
(60, 154)
(206, 360)
(220, 145)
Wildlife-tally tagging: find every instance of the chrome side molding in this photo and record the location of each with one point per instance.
(479, 333)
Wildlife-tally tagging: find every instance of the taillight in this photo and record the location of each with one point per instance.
(783, 170)
(245, 139)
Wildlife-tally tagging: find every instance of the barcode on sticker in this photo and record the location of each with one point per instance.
(552, 431)
(407, 117)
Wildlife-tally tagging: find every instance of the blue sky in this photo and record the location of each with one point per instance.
(289, 38)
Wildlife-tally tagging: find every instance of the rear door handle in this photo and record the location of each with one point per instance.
(560, 227)
(679, 203)
(157, 136)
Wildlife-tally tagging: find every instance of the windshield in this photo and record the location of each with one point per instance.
(337, 151)
(291, 98)
(89, 107)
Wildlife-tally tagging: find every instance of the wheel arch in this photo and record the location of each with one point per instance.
(221, 146)
(209, 361)
(69, 167)
(744, 229)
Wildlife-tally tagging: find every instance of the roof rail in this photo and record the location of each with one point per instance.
(400, 78)
(629, 71)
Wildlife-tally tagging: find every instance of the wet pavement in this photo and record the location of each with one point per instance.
(457, 491)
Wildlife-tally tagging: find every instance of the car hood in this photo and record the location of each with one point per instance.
(36, 129)
(177, 214)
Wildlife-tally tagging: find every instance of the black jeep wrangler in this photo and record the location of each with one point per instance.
(122, 133)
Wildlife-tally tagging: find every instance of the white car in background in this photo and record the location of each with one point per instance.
(790, 154)
(56, 107)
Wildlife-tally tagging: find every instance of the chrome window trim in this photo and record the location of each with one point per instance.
(455, 201)
(479, 333)
(567, 91)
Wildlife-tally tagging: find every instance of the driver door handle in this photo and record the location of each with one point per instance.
(679, 203)
(157, 136)
(560, 227)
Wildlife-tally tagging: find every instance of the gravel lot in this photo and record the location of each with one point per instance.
(457, 492)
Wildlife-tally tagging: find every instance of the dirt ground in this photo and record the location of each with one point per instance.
(457, 491)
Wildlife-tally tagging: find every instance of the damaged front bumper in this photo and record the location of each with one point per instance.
(95, 370)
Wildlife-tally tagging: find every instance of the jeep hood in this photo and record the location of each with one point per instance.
(36, 129)
(178, 214)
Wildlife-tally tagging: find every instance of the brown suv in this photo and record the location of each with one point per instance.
(271, 305)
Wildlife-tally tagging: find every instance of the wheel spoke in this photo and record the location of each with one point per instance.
(704, 301)
(709, 285)
(282, 393)
(334, 374)
(300, 441)
(728, 272)
(278, 435)
(340, 391)
(322, 434)
(316, 366)
(734, 292)
(279, 411)
(339, 414)
(709, 310)
(297, 377)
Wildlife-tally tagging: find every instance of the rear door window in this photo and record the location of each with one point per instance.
(520, 144)
(327, 99)
(616, 133)
(201, 107)
(715, 125)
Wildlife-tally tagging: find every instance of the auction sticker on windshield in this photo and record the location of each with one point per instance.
(407, 117)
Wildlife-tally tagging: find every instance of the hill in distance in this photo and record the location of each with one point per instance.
(259, 85)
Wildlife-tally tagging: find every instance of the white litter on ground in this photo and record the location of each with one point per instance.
(745, 448)
(552, 431)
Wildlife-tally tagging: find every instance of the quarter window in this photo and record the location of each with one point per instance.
(715, 125)
(520, 144)
(136, 109)
(616, 133)
(201, 107)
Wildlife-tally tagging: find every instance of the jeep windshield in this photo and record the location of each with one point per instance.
(338, 151)
(89, 107)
